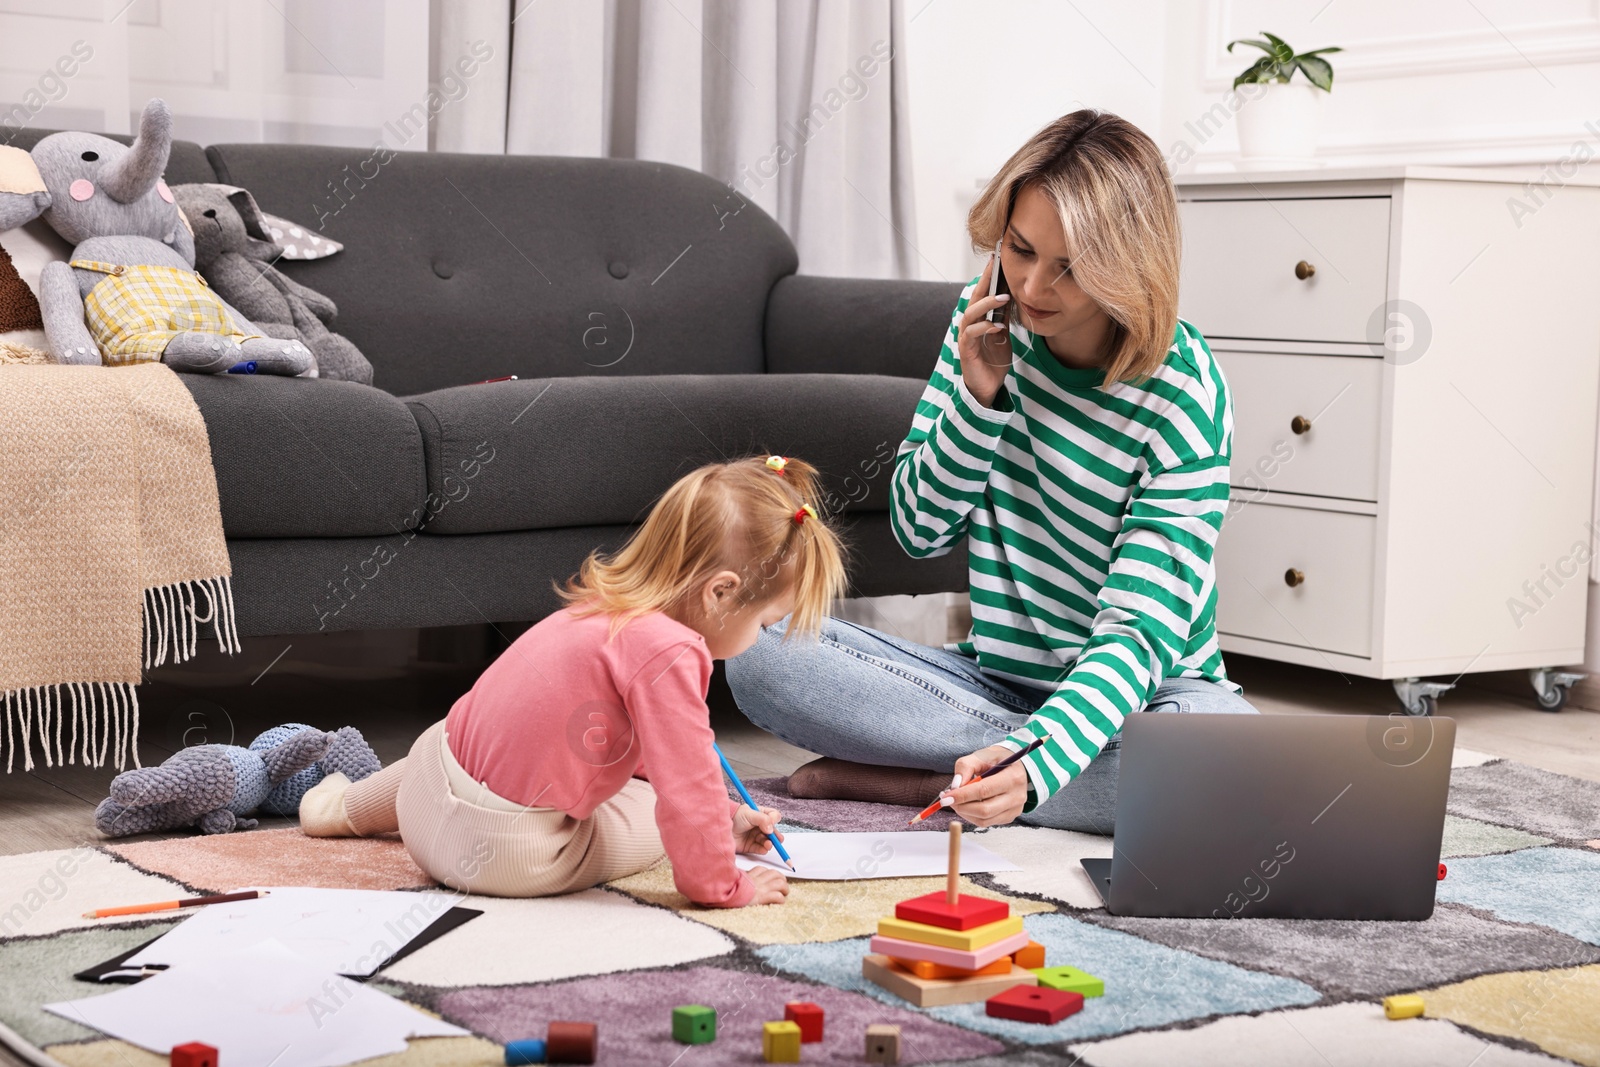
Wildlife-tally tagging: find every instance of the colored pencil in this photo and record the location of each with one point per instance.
(1002, 765)
(173, 905)
(727, 768)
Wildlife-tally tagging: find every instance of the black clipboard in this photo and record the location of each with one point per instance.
(112, 970)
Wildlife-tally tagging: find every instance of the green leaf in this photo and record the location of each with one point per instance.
(1318, 71)
(1262, 70)
(1321, 51)
(1264, 46)
(1280, 48)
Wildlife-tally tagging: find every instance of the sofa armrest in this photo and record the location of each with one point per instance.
(818, 325)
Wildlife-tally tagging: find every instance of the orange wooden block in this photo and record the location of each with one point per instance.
(1030, 956)
(924, 969)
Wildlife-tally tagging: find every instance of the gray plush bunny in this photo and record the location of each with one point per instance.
(233, 251)
(210, 786)
(130, 293)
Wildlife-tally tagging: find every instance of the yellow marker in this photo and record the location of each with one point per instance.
(1405, 1006)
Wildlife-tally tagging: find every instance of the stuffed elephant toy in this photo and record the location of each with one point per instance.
(348, 754)
(235, 254)
(130, 293)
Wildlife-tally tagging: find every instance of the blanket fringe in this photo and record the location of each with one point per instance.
(43, 709)
(172, 619)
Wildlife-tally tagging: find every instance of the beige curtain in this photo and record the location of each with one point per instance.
(799, 105)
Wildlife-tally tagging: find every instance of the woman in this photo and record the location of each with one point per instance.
(1082, 453)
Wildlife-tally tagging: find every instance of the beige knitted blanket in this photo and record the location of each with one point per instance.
(111, 552)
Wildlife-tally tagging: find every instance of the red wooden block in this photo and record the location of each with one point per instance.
(808, 1016)
(1441, 872)
(1034, 1004)
(567, 1042)
(194, 1054)
(1030, 956)
(934, 909)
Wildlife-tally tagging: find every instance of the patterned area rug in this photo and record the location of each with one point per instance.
(1509, 965)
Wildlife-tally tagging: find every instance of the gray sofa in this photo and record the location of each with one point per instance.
(655, 322)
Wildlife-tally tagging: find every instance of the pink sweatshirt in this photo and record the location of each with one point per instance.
(569, 713)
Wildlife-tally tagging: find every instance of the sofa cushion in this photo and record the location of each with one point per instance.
(819, 325)
(546, 453)
(302, 457)
(459, 268)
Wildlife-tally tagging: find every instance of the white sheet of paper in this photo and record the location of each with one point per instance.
(854, 856)
(345, 931)
(257, 1007)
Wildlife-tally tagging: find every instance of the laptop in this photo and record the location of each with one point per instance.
(1278, 816)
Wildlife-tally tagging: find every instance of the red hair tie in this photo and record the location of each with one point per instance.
(800, 516)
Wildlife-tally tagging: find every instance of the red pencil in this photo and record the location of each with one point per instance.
(1002, 765)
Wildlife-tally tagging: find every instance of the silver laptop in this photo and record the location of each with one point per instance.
(1278, 816)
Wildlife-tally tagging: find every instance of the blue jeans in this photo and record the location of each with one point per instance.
(864, 696)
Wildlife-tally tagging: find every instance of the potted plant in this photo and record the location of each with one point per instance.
(1278, 122)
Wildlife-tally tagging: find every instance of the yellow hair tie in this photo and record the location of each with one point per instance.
(776, 464)
(805, 509)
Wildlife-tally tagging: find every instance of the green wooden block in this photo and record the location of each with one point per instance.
(1072, 980)
(694, 1024)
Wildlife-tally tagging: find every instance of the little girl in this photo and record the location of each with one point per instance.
(542, 779)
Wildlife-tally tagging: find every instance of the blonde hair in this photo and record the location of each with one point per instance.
(757, 517)
(1111, 188)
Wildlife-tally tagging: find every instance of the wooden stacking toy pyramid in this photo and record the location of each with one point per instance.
(949, 948)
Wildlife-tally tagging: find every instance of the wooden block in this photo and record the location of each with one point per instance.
(950, 957)
(193, 1054)
(933, 909)
(965, 940)
(935, 992)
(808, 1017)
(694, 1024)
(883, 1043)
(924, 969)
(1030, 956)
(519, 1053)
(1070, 979)
(1030, 1004)
(780, 1042)
(567, 1042)
(1404, 1006)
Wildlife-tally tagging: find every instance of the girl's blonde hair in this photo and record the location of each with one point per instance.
(1111, 188)
(757, 517)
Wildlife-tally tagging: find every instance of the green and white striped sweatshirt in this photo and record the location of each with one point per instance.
(1091, 516)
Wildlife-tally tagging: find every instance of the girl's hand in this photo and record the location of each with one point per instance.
(997, 799)
(771, 886)
(985, 347)
(751, 827)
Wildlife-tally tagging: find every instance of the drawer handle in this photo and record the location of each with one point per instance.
(1292, 578)
(1300, 424)
(1304, 270)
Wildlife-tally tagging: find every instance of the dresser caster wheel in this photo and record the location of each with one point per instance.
(1420, 698)
(1551, 687)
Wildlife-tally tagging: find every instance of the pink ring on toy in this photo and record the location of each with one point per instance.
(166, 193)
(82, 189)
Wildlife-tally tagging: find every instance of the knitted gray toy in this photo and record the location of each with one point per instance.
(210, 786)
(348, 754)
(234, 252)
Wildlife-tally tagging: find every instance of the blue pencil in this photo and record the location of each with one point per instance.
(744, 794)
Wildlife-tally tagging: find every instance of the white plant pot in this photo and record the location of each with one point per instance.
(1279, 122)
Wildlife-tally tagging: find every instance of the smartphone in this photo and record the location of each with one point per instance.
(997, 285)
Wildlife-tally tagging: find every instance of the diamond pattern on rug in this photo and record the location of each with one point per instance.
(1554, 1010)
(1146, 984)
(1341, 1035)
(547, 938)
(1566, 808)
(1554, 887)
(840, 816)
(39, 971)
(50, 891)
(1365, 959)
(223, 862)
(634, 1013)
(1049, 862)
(814, 911)
(1469, 837)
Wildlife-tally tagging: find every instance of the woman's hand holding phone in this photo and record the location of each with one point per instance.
(984, 346)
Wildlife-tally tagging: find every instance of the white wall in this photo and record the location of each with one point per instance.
(985, 75)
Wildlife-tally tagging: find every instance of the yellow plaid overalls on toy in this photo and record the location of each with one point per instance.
(140, 307)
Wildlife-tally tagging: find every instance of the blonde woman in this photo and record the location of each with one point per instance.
(585, 751)
(1081, 453)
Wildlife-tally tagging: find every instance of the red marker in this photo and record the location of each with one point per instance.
(1002, 765)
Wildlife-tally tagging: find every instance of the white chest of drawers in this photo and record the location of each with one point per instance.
(1414, 361)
